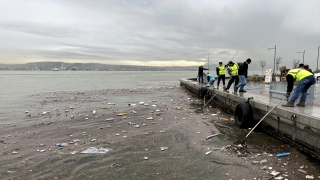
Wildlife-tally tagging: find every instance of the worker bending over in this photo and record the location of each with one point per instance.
(211, 80)
(305, 79)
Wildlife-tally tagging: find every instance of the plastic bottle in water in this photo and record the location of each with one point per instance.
(255, 162)
(283, 154)
(61, 144)
(263, 161)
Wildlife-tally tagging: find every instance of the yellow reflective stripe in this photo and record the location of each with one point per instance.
(295, 72)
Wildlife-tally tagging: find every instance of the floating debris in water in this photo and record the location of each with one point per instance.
(164, 148)
(309, 177)
(94, 150)
(208, 137)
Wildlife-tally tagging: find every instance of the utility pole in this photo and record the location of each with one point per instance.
(304, 51)
(274, 59)
(208, 62)
(318, 57)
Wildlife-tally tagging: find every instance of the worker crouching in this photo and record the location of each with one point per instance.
(211, 80)
(305, 79)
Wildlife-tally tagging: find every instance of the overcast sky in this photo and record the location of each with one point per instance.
(159, 32)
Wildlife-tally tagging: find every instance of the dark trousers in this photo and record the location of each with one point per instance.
(233, 78)
(200, 77)
(223, 77)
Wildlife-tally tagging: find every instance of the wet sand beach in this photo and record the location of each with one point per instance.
(149, 133)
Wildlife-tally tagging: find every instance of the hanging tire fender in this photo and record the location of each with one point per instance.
(243, 115)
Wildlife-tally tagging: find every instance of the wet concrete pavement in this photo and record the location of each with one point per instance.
(136, 151)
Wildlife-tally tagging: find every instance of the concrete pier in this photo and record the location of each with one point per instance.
(299, 126)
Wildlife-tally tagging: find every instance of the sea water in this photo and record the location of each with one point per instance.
(17, 86)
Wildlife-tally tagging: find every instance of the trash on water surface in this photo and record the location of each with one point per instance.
(141, 103)
(93, 140)
(209, 152)
(136, 126)
(208, 137)
(111, 103)
(94, 150)
(255, 162)
(73, 152)
(61, 144)
(72, 116)
(164, 148)
(45, 112)
(122, 114)
(309, 177)
(279, 177)
(274, 173)
(302, 171)
(94, 112)
(114, 165)
(149, 118)
(109, 119)
(145, 158)
(263, 161)
(213, 114)
(283, 154)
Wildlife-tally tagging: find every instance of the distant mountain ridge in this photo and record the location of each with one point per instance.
(92, 66)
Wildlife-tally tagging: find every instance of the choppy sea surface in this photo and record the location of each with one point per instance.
(17, 86)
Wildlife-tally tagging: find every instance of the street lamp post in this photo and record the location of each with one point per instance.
(274, 59)
(304, 51)
(318, 57)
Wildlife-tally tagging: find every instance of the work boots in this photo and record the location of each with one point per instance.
(288, 104)
(302, 104)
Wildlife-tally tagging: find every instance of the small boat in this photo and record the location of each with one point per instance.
(55, 69)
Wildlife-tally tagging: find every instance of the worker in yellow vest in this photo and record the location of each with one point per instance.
(233, 72)
(221, 73)
(305, 79)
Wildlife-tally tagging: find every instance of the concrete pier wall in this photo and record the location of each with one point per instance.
(295, 127)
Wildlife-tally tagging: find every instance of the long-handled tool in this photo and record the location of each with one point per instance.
(234, 55)
(210, 99)
(200, 109)
(243, 141)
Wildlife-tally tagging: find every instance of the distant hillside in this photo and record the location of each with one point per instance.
(91, 66)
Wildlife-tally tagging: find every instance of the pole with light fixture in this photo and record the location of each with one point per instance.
(274, 59)
(318, 57)
(304, 51)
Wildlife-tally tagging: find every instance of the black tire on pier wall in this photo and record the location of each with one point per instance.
(243, 115)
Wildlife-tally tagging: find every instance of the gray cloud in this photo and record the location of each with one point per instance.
(144, 31)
